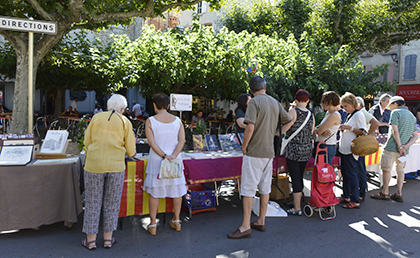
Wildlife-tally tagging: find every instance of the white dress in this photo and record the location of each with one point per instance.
(166, 137)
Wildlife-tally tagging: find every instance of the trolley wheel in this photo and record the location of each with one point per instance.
(308, 210)
(328, 209)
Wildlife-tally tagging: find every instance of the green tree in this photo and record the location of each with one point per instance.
(196, 61)
(69, 15)
(75, 63)
(373, 25)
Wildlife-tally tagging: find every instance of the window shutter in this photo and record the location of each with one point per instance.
(406, 67)
(391, 73)
(410, 67)
(413, 67)
(204, 7)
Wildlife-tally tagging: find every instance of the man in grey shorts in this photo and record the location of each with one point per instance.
(261, 117)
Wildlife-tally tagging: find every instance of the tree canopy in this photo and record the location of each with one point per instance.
(373, 25)
(197, 61)
(69, 15)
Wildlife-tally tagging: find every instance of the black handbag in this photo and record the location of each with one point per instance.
(277, 139)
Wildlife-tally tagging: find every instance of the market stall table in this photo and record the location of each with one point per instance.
(35, 195)
(412, 165)
(134, 200)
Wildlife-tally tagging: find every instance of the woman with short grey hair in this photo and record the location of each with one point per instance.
(117, 103)
(108, 138)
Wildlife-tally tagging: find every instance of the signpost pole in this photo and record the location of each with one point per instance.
(30, 26)
(30, 80)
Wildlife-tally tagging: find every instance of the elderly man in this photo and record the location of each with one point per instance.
(403, 135)
(372, 124)
(262, 119)
(380, 112)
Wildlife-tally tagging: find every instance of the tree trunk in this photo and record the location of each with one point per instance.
(20, 99)
(58, 102)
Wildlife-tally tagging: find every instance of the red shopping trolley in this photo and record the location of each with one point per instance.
(323, 198)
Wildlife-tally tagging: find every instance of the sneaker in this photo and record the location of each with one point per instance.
(293, 212)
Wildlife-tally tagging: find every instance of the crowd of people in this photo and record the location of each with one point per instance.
(259, 117)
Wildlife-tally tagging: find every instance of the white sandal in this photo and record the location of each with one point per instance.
(152, 229)
(174, 225)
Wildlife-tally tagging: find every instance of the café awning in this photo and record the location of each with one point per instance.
(409, 92)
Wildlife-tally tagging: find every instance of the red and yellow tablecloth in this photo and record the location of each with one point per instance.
(134, 201)
(374, 158)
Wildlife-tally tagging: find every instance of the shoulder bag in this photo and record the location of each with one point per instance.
(286, 141)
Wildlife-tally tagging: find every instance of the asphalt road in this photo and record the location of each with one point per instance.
(378, 229)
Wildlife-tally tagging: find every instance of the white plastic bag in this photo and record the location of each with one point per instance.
(273, 209)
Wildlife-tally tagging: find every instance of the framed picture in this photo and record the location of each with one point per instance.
(16, 155)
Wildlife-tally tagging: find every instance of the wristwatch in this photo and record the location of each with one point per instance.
(164, 156)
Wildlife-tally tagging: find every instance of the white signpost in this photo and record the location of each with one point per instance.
(180, 102)
(30, 25)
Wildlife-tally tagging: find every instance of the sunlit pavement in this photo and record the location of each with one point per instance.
(379, 229)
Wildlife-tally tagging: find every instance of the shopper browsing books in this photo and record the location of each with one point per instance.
(240, 112)
(166, 137)
(108, 138)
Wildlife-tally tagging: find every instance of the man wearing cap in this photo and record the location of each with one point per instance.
(372, 124)
(380, 112)
(403, 134)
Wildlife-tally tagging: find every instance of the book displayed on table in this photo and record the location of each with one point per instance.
(229, 141)
(211, 141)
(16, 155)
(198, 143)
(55, 141)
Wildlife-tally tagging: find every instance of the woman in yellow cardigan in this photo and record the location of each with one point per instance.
(108, 138)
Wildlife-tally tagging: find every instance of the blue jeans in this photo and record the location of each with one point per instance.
(331, 153)
(361, 174)
(350, 178)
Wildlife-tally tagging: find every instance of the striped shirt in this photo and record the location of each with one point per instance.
(406, 123)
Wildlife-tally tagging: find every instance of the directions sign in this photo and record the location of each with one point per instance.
(18, 24)
(181, 102)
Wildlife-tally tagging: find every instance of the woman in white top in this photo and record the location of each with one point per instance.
(355, 125)
(327, 130)
(166, 138)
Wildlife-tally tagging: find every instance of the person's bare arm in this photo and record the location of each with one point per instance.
(249, 130)
(285, 127)
(374, 124)
(333, 119)
(412, 140)
(180, 144)
(151, 139)
(240, 122)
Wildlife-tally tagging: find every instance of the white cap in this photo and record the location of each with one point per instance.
(395, 98)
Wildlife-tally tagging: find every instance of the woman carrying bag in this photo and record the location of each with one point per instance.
(354, 126)
(299, 149)
(327, 130)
